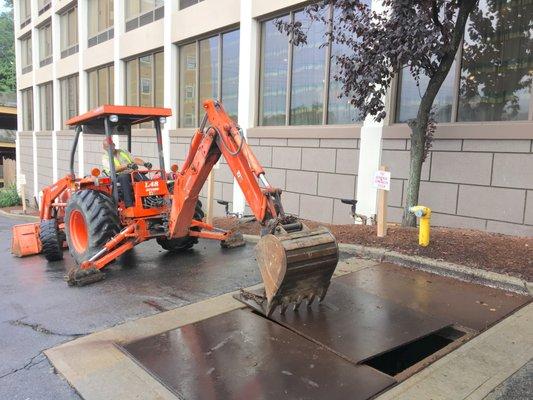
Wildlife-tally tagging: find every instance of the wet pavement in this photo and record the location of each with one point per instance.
(38, 310)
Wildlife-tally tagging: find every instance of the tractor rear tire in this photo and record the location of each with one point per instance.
(180, 244)
(51, 240)
(91, 220)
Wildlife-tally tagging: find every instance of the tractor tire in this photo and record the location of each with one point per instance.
(91, 220)
(180, 244)
(51, 240)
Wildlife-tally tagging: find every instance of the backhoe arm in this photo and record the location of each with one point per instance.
(296, 263)
(219, 135)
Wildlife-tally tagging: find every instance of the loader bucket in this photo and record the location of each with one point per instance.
(25, 241)
(296, 266)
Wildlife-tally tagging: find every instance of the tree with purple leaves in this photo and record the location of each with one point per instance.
(422, 36)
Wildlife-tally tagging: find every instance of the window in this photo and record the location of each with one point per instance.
(69, 98)
(26, 55)
(340, 110)
(142, 12)
(188, 3)
(27, 109)
(43, 5)
(209, 68)
(230, 72)
(144, 80)
(69, 32)
(45, 45)
(410, 95)
(46, 100)
(297, 85)
(188, 87)
(274, 72)
(25, 12)
(100, 21)
(101, 86)
(308, 63)
(497, 67)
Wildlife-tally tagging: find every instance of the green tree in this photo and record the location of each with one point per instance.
(7, 49)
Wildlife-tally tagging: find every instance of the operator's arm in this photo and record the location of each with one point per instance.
(121, 168)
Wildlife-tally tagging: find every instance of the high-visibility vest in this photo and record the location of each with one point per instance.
(121, 157)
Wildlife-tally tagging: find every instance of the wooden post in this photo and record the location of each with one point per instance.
(23, 197)
(382, 208)
(210, 196)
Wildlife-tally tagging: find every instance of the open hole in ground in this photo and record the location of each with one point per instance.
(408, 356)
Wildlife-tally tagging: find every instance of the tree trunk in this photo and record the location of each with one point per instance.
(415, 171)
(419, 126)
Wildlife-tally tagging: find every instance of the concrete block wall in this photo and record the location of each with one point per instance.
(478, 184)
(26, 162)
(143, 145)
(314, 174)
(44, 158)
(64, 146)
(92, 152)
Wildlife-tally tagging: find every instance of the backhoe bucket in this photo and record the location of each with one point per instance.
(296, 266)
(25, 240)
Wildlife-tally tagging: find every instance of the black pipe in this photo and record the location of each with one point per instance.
(73, 150)
(111, 157)
(159, 136)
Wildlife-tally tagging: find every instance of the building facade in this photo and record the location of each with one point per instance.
(75, 55)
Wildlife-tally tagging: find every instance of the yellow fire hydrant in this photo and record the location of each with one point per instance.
(424, 213)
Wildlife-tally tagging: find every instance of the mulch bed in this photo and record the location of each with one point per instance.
(504, 254)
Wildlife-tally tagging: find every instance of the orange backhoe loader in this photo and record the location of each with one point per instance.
(90, 213)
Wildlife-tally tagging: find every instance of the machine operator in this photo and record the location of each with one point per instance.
(125, 164)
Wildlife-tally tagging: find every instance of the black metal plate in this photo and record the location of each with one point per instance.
(473, 306)
(355, 324)
(240, 355)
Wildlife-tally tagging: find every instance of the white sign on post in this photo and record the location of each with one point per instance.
(382, 180)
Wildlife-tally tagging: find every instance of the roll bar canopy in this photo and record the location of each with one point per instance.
(97, 121)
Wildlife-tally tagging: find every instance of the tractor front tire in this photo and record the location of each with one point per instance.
(180, 244)
(51, 240)
(91, 220)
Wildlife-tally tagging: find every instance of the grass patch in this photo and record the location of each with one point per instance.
(9, 197)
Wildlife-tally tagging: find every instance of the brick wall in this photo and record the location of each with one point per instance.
(44, 159)
(64, 145)
(26, 163)
(143, 145)
(314, 174)
(92, 152)
(479, 184)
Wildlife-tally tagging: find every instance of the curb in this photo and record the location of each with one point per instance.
(460, 272)
(16, 216)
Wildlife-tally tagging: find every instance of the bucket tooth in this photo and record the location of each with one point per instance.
(296, 266)
(298, 302)
(310, 300)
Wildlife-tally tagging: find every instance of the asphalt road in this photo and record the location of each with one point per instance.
(38, 310)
